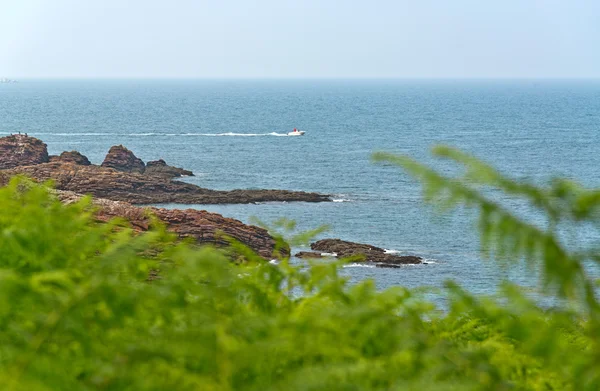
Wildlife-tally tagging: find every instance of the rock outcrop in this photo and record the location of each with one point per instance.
(121, 182)
(161, 168)
(71, 157)
(21, 150)
(122, 177)
(364, 253)
(142, 189)
(204, 227)
(122, 159)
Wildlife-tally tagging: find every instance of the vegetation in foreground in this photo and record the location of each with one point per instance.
(78, 311)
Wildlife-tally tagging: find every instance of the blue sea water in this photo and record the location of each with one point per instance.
(232, 135)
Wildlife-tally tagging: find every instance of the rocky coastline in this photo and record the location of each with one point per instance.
(123, 181)
(124, 177)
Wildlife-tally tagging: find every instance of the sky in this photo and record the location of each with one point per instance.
(300, 39)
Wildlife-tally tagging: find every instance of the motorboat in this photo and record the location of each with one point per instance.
(296, 132)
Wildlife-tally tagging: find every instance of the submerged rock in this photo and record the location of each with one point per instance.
(21, 150)
(161, 168)
(364, 253)
(122, 159)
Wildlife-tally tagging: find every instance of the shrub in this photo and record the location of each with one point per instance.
(78, 311)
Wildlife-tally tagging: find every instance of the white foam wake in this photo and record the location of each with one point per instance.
(232, 134)
(150, 134)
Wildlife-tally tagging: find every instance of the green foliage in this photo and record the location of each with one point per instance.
(563, 339)
(78, 310)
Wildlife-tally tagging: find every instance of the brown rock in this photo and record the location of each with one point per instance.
(204, 227)
(21, 150)
(72, 157)
(122, 159)
(366, 252)
(136, 188)
(161, 168)
(342, 247)
(120, 179)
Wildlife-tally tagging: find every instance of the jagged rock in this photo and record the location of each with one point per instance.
(160, 167)
(22, 150)
(122, 159)
(364, 252)
(72, 157)
(204, 227)
(136, 188)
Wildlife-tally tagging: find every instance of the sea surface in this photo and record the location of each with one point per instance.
(232, 134)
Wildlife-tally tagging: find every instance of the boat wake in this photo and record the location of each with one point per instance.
(231, 134)
(226, 134)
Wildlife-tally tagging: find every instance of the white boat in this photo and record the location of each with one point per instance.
(296, 132)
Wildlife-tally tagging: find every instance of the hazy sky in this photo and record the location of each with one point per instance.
(299, 39)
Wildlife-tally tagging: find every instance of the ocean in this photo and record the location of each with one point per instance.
(232, 134)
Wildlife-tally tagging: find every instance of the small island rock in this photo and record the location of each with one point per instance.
(364, 253)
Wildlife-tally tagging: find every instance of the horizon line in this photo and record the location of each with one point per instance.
(234, 78)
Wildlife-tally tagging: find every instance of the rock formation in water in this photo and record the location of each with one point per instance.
(21, 150)
(148, 189)
(122, 159)
(119, 177)
(161, 168)
(120, 181)
(363, 253)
